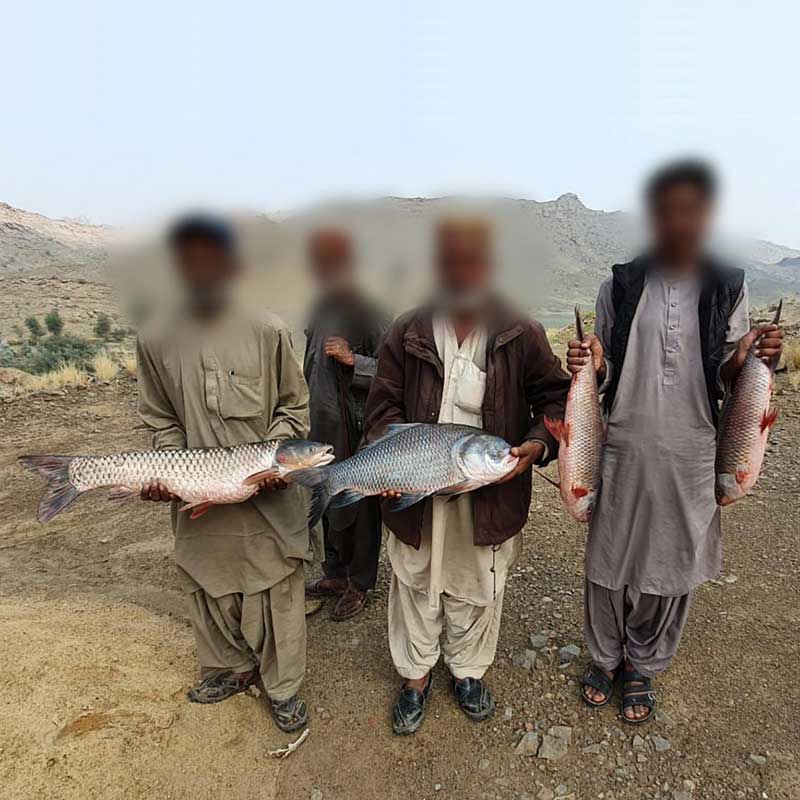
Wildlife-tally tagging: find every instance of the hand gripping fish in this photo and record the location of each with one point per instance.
(580, 437)
(416, 459)
(201, 477)
(744, 426)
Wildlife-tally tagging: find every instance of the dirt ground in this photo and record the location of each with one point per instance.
(96, 655)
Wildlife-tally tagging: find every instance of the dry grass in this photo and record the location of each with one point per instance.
(65, 375)
(791, 354)
(105, 368)
(129, 364)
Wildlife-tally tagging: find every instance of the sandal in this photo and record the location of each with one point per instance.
(409, 710)
(326, 587)
(289, 715)
(349, 604)
(640, 695)
(221, 686)
(596, 678)
(474, 698)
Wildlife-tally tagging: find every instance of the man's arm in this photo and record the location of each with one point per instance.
(157, 414)
(290, 419)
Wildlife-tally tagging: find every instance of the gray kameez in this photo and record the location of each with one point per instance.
(656, 527)
(232, 381)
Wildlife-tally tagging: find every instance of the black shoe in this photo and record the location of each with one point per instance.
(289, 715)
(474, 698)
(221, 686)
(409, 710)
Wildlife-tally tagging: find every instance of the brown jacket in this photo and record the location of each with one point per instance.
(524, 382)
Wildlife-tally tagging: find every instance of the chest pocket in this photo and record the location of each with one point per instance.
(470, 382)
(240, 396)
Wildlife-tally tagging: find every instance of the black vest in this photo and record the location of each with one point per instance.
(721, 289)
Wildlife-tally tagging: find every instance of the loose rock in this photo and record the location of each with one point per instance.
(756, 760)
(528, 744)
(568, 653)
(660, 743)
(553, 748)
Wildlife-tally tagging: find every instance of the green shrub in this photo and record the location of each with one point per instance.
(102, 327)
(35, 327)
(54, 323)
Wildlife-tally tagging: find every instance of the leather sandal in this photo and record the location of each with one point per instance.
(642, 694)
(596, 678)
(221, 686)
(289, 715)
(350, 604)
(321, 587)
(474, 698)
(409, 710)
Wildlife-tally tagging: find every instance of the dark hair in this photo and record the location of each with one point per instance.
(697, 173)
(204, 228)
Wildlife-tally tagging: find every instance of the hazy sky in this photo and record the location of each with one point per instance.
(122, 111)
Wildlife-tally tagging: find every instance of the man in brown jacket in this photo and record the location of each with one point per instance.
(465, 358)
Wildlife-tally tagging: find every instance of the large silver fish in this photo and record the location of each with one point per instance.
(580, 437)
(201, 477)
(744, 426)
(416, 459)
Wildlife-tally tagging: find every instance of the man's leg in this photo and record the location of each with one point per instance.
(360, 550)
(226, 662)
(653, 629)
(274, 623)
(469, 650)
(604, 631)
(414, 630)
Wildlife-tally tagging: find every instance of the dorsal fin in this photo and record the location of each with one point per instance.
(777, 318)
(391, 430)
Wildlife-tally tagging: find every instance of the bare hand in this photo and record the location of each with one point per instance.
(158, 493)
(579, 353)
(769, 342)
(391, 495)
(271, 484)
(338, 348)
(528, 453)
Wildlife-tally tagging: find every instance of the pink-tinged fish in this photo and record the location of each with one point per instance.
(580, 437)
(744, 426)
(201, 477)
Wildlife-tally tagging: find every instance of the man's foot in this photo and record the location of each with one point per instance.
(221, 686)
(409, 710)
(638, 696)
(326, 587)
(289, 715)
(597, 686)
(352, 602)
(474, 698)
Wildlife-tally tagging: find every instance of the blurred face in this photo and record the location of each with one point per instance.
(206, 270)
(331, 262)
(680, 217)
(464, 268)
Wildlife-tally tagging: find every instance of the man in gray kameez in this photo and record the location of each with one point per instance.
(672, 330)
(221, 375)
(344, 334)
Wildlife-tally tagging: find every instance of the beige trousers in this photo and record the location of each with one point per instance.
(470, 633)
(236, 632)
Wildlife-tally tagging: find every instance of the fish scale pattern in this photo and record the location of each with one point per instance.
(192, 474)
(582, 456)
(416, 460)
(740, 434)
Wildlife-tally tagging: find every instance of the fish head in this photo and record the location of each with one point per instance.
(485, 458)
(728, 489)
(301, 454)
(581, 502)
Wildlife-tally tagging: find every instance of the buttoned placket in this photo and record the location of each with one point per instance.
(673, 334)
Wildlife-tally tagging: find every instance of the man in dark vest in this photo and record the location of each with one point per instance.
(343, 336)
(672, 332)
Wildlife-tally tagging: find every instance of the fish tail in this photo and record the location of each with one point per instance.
(578, 324)
(316, 480)
(60, 491)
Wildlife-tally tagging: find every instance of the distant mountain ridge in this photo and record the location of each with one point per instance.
(557, 251)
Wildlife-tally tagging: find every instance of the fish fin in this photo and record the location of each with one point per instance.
(578, 323)
(346, 498)
(777, 318)
(59, 492)
(257, 477)
(121, 495)
(459, 488)
(579, 491)
(389, 431)
(316, 480)
(741, 475)
(768, 419)
(201, 509)
(555, 427)
(406, 501)
(548, 479)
